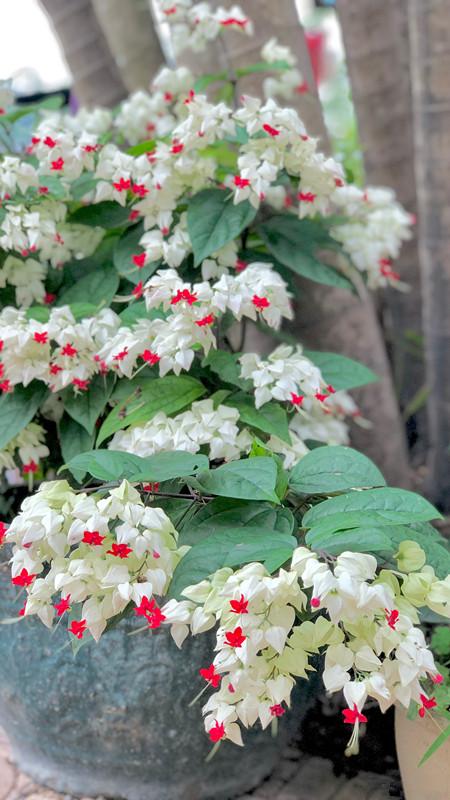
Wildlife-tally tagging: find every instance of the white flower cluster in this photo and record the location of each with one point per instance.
(287, 83)
(193, 25)
(365, 629)
(376, 227)
(99, 552)
(28, 446)
(201, 425)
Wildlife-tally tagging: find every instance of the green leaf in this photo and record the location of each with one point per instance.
(231, 548)
(74, 439)
(213, 221)
(435, 546)
(142, 147)
(334, 469)
(438, 742)
(85, 408)
(82, 185)
(263, 66)
(100, 286)
(204, 81)
(295, 242)
(115, 465)
(271, 418)
(128, 246)
(39, 313)
(371, 507)
(248, 479)
(440, 641)
(106, 214)
(18, 408)
(227, 367)
(147, 398)
(224, 513)
(340, 371)
(56, 188)
(360, 540)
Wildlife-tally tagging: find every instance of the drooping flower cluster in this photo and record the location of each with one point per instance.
(193, 25)
(26, 449)
(362, 623)
(91, 553)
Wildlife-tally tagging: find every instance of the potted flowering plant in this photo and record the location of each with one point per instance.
(204, 489)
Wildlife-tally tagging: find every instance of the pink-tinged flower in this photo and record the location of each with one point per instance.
(184, 295)
(151, 487)
(54, 369)
(58, 165)
(43, 190)
(40, 338)
(151, 612)
(139, 189)
(231, 688)
(81, 384)
(306, 197)
(24, 578)
(49, 298)
(235, 638)
(392, 617)
(149, 357)
(138, 290)
(5, 386)
(239, 606)
(93, 538)
(302, 88)
(217, 732)
(211, 676)
(62, 606)
(241, 183)
(31, 467)
(321, 397)
(315, 602)
(189, 98)
(143, 608)
(121, 355)
(3, 529)
(122, 186)
(234, 21)
(168, 97)
(150, 127)
(177, 147)
(427, 704)
(22, 610)
(35, 140)
(139, 260)
(260, 303)
(208, 320)
(169, 11)
(120, 550)
(240, 265)
(271, 131)
(339, 183)
(133, 215)
(352, 715)
(48, 141)
(386, 269)
(438, 678)
(77, 628)
(296, 399)
(69, 350)
(277, 710)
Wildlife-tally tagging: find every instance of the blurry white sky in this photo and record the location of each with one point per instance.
(29, 51)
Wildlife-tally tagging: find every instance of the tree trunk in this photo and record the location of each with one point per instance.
(377, 53)
(430, 64)
(132, 39)
(327, 318)
(96, 79)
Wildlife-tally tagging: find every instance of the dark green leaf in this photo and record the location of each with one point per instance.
(371, 507)
(295, 242)
(340, 371)
(18, 408)
(271, 418)
(127, 247)
(86, 407)
(334, 469)
(106, 214)
(147, 398)
(214, 220)
(223, 513)
(231, 548)
(227, 367)
(115, 465)
(263, 66)
(359, 540)
(99, 286)
(142, 147)
(82, 185)
(74, 439)
(249, 479)
(438, 742)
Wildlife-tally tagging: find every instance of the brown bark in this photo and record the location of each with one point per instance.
(377, 53)
(96, 79)
(132, 39)
(430, 65)
(327, 318)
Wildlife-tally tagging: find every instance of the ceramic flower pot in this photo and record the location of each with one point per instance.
(115, 720)
(431, 781)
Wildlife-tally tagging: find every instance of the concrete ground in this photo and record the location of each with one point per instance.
(297, 777)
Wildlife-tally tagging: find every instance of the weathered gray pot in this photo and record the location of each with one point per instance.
(115, 720)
